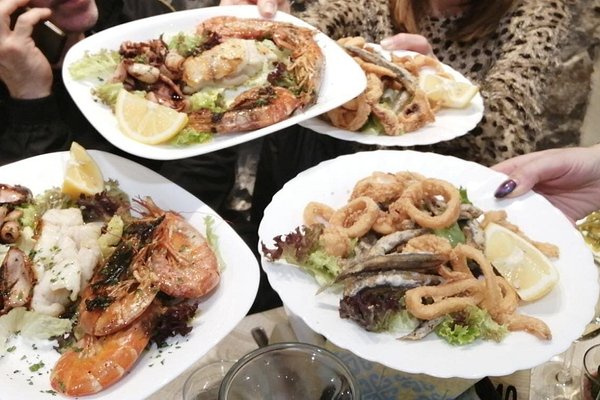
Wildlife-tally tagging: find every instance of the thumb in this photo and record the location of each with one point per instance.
(267, 8)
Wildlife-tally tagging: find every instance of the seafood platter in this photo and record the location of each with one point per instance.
(218, 76)
(111, 295)
(407, 259)
(410, 99)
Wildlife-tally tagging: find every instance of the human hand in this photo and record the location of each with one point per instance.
(267, 8)
(569, 178)
(408, 41)
(23, 68)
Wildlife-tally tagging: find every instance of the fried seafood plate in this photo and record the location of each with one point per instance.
(409, 251)
(402, 95)
(230, 75)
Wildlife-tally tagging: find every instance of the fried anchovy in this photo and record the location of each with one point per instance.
(402, 74)
(403, 280)
(386, 243)
(416, 262)
(424, 328)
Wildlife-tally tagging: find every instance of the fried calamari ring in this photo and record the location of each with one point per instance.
(388, 223)
(352, 118)
(417, 113)
(335, 242)
(389, 120)
(447, 298)
(416, 194)
(357, 217)
(493, 292)
(382, 187)
(374, 89)
(317, 213)
(357, 41)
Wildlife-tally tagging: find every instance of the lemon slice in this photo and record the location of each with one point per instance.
(82, 175)
(448, 92)
(526, 268)
(145, 121)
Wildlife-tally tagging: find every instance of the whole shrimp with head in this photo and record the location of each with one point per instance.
(161, 252)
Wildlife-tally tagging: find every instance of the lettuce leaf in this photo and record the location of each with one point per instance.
(301, 248)
(473, 323)
(99, 65)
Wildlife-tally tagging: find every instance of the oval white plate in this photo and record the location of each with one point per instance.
(342, 79)
(566, 310)
(449, 123)
(217, 315)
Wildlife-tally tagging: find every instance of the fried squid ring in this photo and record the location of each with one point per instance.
(447, 298)
(357, 217)
(382, 187)
(417, 113)
(388, 223)
(317, 213)
(335, 242)
(415, 195)
(352, 118)
(493, 293)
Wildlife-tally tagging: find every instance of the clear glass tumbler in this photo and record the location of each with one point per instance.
(289, 371)
(203, 383)
(590, 380)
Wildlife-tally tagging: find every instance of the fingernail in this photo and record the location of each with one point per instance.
(505, 188)
(269, 9)
(387, 42)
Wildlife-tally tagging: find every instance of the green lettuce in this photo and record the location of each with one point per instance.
(211, 99)
(189, 135)
(108, 92)
(99, 65)
(468, 325)
(301, 248)
(185, 45)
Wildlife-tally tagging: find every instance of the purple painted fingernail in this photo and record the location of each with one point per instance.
(505, 188)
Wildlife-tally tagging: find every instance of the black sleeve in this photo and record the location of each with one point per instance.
(31, 127)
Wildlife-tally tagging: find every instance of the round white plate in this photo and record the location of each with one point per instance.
(449, 123)
(342, 79)
(217, 315)
(566, 310)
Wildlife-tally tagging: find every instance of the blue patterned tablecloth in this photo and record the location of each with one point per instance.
(378, 382)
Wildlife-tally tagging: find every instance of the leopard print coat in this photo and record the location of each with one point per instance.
(511, 66)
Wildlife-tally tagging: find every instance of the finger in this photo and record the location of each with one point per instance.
(408, 41)
(529, 171)
(267, 8)
(26, 21)
(7, 8)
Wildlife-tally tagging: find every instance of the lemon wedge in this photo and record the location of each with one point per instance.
(82, 175)
(145, 121)
(448, 92)
(526, 268)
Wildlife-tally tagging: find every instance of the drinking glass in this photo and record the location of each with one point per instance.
(557, 379)
(203, 383)
(590, 381)
(289, 371)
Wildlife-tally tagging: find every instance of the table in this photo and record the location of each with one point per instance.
(277, 325)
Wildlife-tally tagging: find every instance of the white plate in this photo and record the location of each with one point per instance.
(342, 79)
(449, 123)
(217, 315)
(566, 310)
